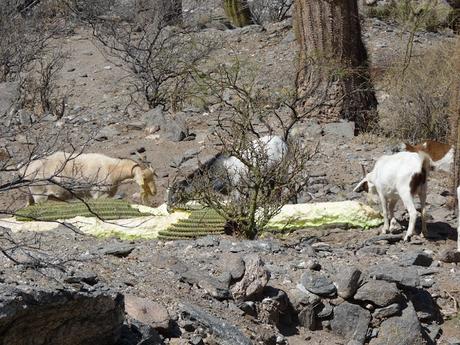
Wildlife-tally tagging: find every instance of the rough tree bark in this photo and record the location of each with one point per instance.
(238, 12)
(333, 73)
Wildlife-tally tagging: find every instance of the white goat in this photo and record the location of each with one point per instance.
(63, 175)
(228, 171)
(403, 174)
(271, 148)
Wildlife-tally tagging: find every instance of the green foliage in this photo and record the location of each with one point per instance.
(201, 222)
(238, 12)
(107, 209)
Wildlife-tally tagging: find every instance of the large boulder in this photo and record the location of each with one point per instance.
(226, 333)
(347, 281)
(59, 317)
(380, 293)
(402, 330)
(255, 279)
(317, 283)
(351, 322)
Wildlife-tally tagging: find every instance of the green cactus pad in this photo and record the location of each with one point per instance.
(106, 209)
(201, 222)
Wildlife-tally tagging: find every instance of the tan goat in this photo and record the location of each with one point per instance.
(64, 175)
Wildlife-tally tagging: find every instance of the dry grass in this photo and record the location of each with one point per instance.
(417, 106)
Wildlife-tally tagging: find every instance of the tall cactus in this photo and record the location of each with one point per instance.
(333, 80)
(238, 12)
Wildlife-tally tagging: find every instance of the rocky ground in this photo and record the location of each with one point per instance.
(315, 286)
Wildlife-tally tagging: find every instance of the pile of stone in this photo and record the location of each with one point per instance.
(385, 302)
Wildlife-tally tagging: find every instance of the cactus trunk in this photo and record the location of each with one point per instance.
(238, 12)
(455, 124)
(333, 81)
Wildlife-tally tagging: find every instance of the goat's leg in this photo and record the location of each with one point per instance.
(408, 202)
(391, 213)
(422, 196)
(386, 224)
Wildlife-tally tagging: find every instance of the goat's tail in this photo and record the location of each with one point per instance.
(419, 179)
(427, 163)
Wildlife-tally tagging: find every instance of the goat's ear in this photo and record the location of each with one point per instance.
(408, 147)
(362, 186)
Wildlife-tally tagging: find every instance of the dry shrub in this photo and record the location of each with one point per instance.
(417, 106)
(430, 15)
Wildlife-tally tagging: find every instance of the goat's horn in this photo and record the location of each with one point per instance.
(364, 170)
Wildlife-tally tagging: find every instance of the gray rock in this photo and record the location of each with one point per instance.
(106, 133)
(135, 125)
(226, 333)
(324, 310)
(402, 330)
(449, 256)
(120, 250)
(307, 318)
(417, 258)
(255, 278)
(9, 93)
(351, 322)
(301, 297)
(404, 276)
(317, 283)
(386, 312)
(388, 238)
(274, 308)
(342, 129)
(424, 305)
(173, 126)
(347, 281)
(374, 250)
(136, 332)
(380, 293)
(233, 264)
(59, 317)
(148, 312)
(211, 285)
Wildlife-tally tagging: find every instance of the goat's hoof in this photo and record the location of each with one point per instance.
(406, 239)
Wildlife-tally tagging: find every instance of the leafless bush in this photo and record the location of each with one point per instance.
(263, 183)
(157, 56)
(417, 106)
(39, 89)
(22, 40)
(264, 11)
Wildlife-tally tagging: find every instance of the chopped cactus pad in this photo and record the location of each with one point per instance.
(349, 213)
(151, 223)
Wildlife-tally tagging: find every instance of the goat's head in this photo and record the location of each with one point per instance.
(145, 178)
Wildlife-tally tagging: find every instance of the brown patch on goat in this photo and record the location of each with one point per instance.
(418, 180)
(434, 149)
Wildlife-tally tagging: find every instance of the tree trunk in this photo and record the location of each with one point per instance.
(238, 12)
(333, 81)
